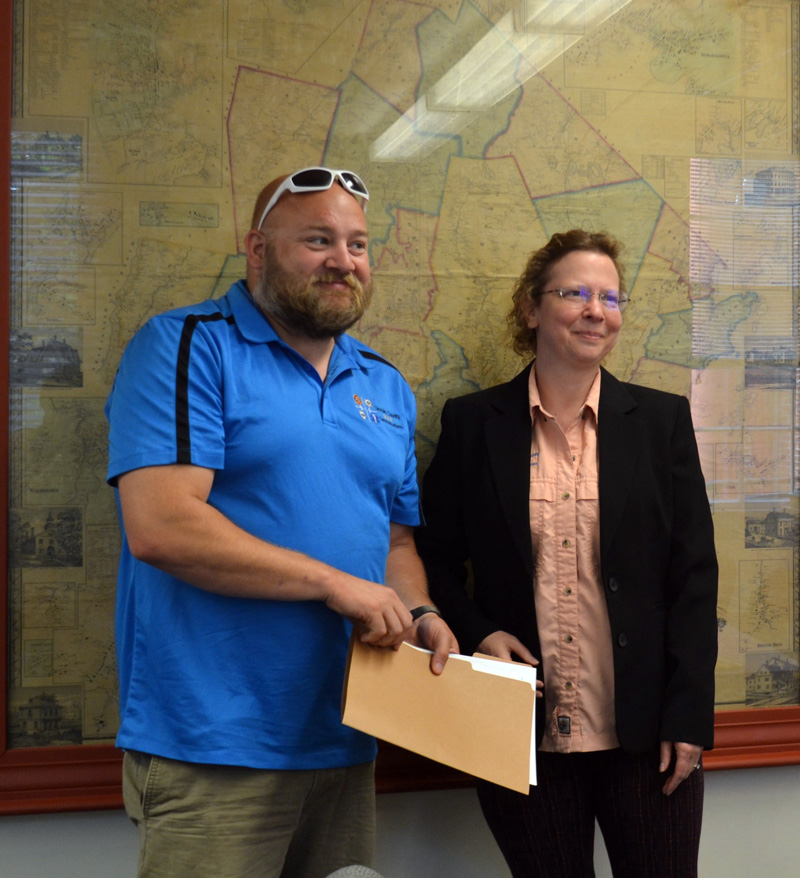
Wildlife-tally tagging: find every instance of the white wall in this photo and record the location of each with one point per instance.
(751, 830)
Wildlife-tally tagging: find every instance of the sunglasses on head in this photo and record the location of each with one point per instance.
(316, 180)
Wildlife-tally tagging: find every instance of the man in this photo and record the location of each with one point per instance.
(265, 470)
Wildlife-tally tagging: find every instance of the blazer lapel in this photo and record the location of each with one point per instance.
(619, 444)
(507, 433)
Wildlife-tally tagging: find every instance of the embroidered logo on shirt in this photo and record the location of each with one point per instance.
(375, 414)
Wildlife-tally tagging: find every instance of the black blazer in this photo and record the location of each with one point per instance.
(658, 562)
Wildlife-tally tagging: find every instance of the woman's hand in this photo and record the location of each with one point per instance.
(687, 760)
(503, 645)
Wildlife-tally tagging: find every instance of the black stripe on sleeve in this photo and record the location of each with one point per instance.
(183, 436)
(370, 356)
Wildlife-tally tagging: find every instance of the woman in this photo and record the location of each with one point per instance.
(580, 505)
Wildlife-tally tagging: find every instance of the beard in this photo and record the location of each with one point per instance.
(305, 309)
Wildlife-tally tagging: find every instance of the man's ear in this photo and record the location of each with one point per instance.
(254, 246)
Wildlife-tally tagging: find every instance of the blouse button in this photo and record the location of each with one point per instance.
(565, 495)
(566, 544)
(568, 638)
(568, 685)
(567, 590)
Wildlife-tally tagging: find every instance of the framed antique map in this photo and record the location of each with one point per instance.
(135, 138)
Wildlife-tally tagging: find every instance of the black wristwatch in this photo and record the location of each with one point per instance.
(420, 611)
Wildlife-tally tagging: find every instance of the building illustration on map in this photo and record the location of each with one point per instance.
(775, 681)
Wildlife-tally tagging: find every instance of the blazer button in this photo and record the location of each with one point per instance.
(622, 640)
(613, 585)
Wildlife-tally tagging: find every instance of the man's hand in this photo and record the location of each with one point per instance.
(381, 617)
(406, 575)
(501, 644)
(687, 760)
(432, 632)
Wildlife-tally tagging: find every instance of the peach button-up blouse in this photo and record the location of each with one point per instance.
(571, 611)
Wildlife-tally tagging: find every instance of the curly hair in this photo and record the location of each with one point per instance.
(532, 282)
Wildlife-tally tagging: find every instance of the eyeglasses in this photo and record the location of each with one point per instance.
(316, 180)
(579, 297)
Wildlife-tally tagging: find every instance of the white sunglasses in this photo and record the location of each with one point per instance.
(316, 180)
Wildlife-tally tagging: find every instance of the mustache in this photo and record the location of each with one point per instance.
(333, 277)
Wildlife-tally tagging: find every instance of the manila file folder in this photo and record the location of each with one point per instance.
(477, 722)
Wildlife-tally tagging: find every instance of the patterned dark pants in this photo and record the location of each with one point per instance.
(550, 833)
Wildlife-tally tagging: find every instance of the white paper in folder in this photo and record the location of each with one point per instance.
(514, 671)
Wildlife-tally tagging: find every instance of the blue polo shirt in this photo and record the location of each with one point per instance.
(321, 468)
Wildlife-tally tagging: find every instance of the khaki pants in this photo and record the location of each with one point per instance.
(216, 821)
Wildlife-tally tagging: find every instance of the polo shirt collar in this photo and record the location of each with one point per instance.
(249, 318)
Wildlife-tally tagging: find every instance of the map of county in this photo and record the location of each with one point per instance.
(146, 131)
